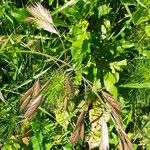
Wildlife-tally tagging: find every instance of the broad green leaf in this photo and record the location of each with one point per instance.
(67, 147)
(112, 90)
(109, 78)
(146, 53)
(123, 44)
(80, 45)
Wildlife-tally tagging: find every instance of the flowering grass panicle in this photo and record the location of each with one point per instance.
(42, 17)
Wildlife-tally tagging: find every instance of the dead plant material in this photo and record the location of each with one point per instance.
(25, 95)
(36, 88)
(104, 144)
(79, 129)
(45, 85)
(25, 140)
(32, 99)
(31, 93)
(82, 132)
(110, 100)
(115, 112)
(25, 103)
(42, 17)
(33, 107)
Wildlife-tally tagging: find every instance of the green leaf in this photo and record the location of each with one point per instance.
(62, 118)
(67, 147)
(51, 2)
(109, 81)
(37, 140)
(67, 4)
(48, 146)
(20, 14)
(147, 30)
(141, 4)
(104, 10)
(2, 10)
(79, 42)
(118, 65)
(7, 147)
(146, 53)
(136, 85)
(80, 47)
(11, 145)
(139, 17)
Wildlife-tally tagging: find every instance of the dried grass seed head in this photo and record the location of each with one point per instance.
(33, 107)
(42, 17)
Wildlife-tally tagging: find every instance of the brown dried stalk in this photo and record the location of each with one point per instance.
(77, 134)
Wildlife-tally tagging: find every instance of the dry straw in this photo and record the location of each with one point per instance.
(104, 144)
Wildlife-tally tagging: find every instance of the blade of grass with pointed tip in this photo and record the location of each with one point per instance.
(68, 4)
(136, 85)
